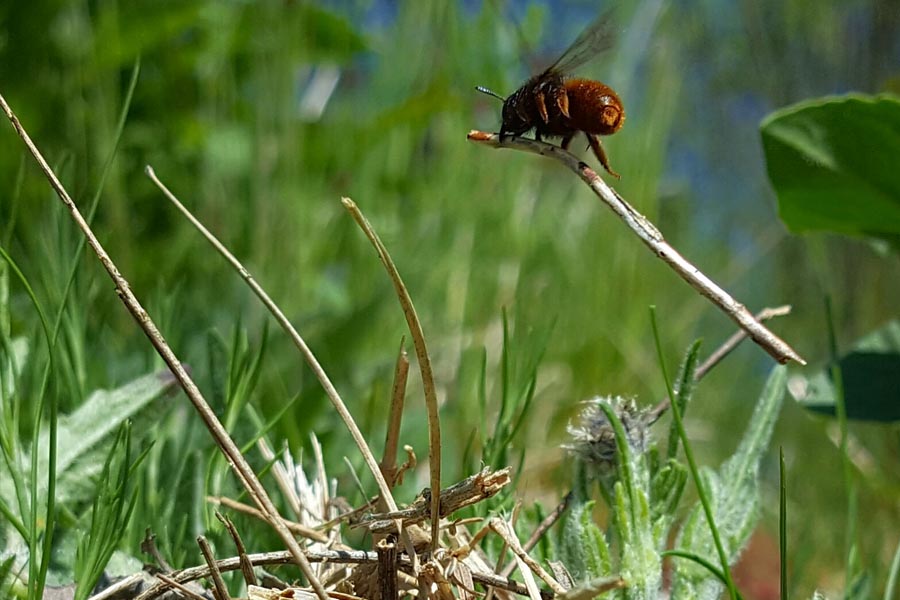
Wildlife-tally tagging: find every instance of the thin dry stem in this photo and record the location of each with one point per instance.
(467, 492)
(395, 417)
(232, 454)
(719, 354)
(301, 530)
(215, 574)
(650, 235)
(418, 337)
(542, 528)
(170, 582)
(298, 340)
(246, 567)
(148, 546)
(505, 531)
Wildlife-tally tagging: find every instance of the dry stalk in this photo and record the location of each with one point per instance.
(395, 416)
(283, 321)
(188, 592)
(216, 575)
(718, 355)
(467, 492)
(387, 568)
(651, 236)
(246, 567)
(418, 337)
(232, 454)
(148, 546)
(505, 531)
(293, 526)
(298, 340)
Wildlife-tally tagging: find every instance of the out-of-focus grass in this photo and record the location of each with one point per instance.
(216, 112)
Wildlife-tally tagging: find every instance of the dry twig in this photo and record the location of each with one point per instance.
(216, 575)
(233, 455)
(171, 582)
(504, 530)
(301, 530)
(298, 340)
(718, 355)
(395, 416)
(650, 235)
(246, 567)
(469, 491)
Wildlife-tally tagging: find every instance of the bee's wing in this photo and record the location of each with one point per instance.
(597, 37)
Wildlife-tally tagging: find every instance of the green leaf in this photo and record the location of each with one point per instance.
(832, 162)
(734, 495)
(82, 433)
(583, 546)
(871, 378)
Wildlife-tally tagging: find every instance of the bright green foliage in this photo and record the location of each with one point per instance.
(112, 508)
(644, 500)
(832, 162)
(83, 438)
(82, 433)
(583, 548)
(733, 492)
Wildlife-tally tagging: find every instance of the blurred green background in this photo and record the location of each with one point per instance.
(261, 115)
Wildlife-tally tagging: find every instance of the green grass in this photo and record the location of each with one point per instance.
(532, 296)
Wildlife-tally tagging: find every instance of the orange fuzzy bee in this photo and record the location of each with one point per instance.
(557, 106)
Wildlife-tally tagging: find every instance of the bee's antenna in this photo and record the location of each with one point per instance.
(484, 90)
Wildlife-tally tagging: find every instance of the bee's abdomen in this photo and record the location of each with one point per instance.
(594, 107)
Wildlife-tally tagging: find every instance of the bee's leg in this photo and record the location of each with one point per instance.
(597, 147)
(562, 102)
(541, 105)
(564, 144)
(537, 134)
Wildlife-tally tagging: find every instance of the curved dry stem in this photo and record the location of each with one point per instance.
(652, 238)
(418, 337)
(332, 393)
(232, 454)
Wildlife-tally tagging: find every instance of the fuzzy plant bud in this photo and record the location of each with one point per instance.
(593, 436)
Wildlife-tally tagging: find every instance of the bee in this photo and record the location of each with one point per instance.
(556, 105)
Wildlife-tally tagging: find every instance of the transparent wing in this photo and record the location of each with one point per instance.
(598, 37)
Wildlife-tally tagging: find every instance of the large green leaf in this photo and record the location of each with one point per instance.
(871, 376)
(833, 164)
(84, 434)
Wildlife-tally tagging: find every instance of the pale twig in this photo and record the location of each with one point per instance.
(233, 455)
(504, 530)
(330, 556)
(650, 235)
(418, 337)
(719, 354)
(541, 529)
(215, 573)
(295, 336)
